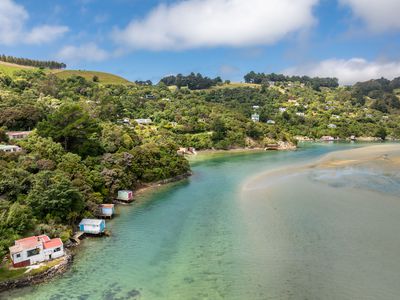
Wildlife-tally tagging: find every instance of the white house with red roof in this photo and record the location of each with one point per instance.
(35, 249)
(18, 135)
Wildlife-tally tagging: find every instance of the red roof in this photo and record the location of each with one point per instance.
(29, 242)
(44, 238)
(107, 205)
(53, 243)
(18, 132)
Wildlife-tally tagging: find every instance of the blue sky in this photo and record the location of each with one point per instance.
(350, 39)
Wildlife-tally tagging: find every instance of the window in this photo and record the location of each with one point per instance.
(18, 255)
(57, 249)
(33, 252)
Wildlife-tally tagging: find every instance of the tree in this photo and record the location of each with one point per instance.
(20, 218)
(3, 135)
(74, 128)
(381, 133)
(219, 130)
(53, 194)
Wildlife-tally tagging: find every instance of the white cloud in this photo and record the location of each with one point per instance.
(45, 34)
(210, 23)
(13, 18)
(85, 52)
(349, 71)
(379, 15)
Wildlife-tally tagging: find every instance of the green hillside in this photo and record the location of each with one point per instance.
(106, 78)
(103, 77)
(10, 69)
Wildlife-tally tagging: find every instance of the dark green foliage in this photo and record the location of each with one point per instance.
(32, 62)
(54, 195)
(192, 81)
(74, 129)
(316, 82)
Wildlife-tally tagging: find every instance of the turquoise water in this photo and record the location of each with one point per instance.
(207, 238)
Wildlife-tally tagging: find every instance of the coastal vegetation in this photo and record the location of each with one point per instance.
(87, 140)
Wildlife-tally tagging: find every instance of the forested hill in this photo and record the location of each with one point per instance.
(32, 62)
(91, 138)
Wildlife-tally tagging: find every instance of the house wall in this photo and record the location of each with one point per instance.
(107, 211)
(54, 254)
(125, 195)
(94, 229)
(32, 259)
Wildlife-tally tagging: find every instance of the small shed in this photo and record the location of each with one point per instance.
(92, 226)
(107, 210)
(125, 195)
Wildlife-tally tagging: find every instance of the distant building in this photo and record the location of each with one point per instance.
(125, 195)
(126, 121)
(336, 117)
(255, 117)
(300, 114)
(35, 249)
(10, 148)
(150, 96)
(107, 210)
(18, 135)
(144, 121)
(270, 122)
(282, 109)
(256, 107)
(332, 126)
(327, 138)
(92, 226)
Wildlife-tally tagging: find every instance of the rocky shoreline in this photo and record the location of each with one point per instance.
(45, 276)
(67, 261)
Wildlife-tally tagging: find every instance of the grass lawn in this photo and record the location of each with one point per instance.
(6, 274)
(10, 69)
(105, 78)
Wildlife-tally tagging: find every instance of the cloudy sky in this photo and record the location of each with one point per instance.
(353, 40)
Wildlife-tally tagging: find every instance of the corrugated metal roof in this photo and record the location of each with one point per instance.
(91, 222)
(53, 243)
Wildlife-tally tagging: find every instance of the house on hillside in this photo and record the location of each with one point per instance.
(300, 114)
(332, 126)
(144, 121)
(282, 109)
(10, 148)
(270, 122)
(255, 117)
(92, 226)
(18, 135)
(35, 249)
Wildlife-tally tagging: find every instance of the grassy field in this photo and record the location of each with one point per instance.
(105, 78)
(10, 69)
(6, 274)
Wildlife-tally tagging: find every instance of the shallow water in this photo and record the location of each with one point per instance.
(223, 235)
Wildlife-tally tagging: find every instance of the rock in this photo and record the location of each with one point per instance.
(286, 146)
(59, 269)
